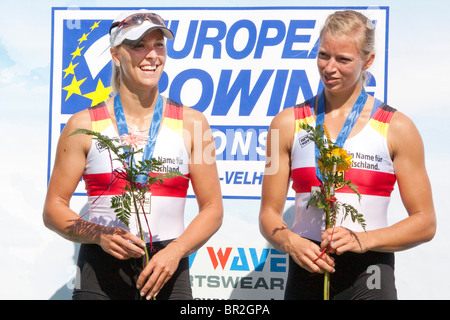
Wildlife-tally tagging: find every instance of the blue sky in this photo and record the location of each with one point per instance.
(418, 85)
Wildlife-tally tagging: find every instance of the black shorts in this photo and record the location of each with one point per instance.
(103, 277)
(367, 276)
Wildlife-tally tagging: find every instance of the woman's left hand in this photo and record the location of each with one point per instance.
(339, 240)
(158, 271)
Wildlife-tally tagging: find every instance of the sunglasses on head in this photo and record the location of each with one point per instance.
(138, 19)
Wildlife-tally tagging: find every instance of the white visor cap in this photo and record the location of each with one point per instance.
(131, 27)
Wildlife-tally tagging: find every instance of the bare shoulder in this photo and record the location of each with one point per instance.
(284, 125)
(284, 120)
(191, 113)
(80, 120)
(192, 117)
(401, 121)
(401, 126)
(403, 133)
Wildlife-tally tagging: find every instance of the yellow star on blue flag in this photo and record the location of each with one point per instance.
(82, 84)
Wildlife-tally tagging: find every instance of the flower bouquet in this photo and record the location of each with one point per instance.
(138, 176)
(332, 162)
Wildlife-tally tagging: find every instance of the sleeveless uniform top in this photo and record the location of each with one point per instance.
(166, 217)
(372, 171)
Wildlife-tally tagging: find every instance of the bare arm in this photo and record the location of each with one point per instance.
(274, 192)
(206, 186)
(407, 152)
(205, 182)
(68, 169)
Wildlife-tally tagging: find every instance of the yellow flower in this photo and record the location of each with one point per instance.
(320, 163)
(344, 159)
(325, 130)
(335, 161)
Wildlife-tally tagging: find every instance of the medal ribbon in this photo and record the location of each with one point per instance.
(346, 128)
(152, 133)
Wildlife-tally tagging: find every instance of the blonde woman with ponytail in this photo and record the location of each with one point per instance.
(361, 262)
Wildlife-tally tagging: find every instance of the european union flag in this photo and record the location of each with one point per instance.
(86, 65)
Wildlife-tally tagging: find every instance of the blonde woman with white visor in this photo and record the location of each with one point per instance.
(110, 257)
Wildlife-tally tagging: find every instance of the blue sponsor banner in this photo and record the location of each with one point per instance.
(238, 66)
(240, 142)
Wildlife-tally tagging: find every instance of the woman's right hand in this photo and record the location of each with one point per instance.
(121, 244)
(275, 185)
(309, 255)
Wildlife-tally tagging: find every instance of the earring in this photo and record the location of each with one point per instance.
(117, 63)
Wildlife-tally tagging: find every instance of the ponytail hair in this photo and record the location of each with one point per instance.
(115, 78)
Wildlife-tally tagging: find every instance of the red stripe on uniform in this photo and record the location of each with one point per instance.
(302, 112)
(303, 179)
(172, 111)
(371, 182)
(99, 113)
(108, 184)
(368, 182)
(384, 114)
